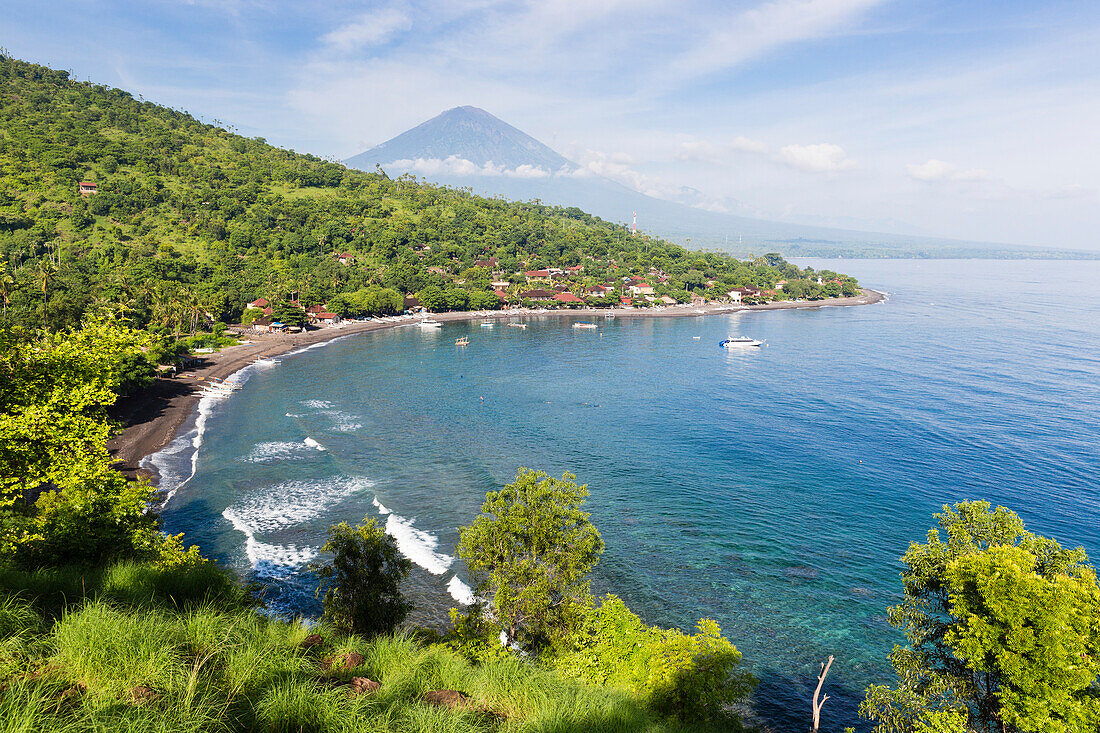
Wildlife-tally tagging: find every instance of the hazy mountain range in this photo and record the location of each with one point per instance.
(468, 147)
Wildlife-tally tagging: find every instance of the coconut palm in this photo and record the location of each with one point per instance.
(7, 285)
(43, 276)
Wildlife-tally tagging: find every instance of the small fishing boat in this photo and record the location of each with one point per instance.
(487, 324)
(464, 341)
(430, 324)
(584, 324)
(735, 342)
(517, 325)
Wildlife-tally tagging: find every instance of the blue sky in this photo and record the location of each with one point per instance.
(976, 120)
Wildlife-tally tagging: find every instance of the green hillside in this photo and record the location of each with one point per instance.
(188, 217)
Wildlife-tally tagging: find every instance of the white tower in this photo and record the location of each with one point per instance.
(634, 226)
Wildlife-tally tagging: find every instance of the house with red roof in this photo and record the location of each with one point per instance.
(500, 294)
(568, 299)
(597, 291)
(536, 275)
(86, 188)
(259, 303)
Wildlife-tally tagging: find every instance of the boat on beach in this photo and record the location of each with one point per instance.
(735, 342)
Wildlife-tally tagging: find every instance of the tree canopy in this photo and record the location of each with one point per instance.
(530, 552)
(1003, 631)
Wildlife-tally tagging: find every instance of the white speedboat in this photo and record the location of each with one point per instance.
(430, 324)
(734, 342)
(584, 324)
(487, 324)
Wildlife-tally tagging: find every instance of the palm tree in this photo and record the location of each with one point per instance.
(7, 284)
(43, 275)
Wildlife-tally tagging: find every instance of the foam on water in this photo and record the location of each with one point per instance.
(461, 592)
(276, 450)
(418, 545)
(281, 506)
(313, 444)
(268, 560)
(294, 502)
(344, 422)
(168, 458)
(317, 404)
(381, 509)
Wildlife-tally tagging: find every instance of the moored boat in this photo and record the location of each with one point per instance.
(734, 342)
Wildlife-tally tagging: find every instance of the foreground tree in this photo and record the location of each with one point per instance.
(60, 499)
(530, 553)
(1003, 630)
(362, 583)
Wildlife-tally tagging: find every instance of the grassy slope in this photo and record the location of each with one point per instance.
(74, 647)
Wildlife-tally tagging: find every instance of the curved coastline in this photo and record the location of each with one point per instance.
(154, 418)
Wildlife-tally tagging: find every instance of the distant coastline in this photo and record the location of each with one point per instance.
(153, 418)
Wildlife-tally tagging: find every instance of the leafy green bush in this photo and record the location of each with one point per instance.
(362, 582)
(694, 677)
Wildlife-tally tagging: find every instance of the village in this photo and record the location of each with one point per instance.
(541, 289)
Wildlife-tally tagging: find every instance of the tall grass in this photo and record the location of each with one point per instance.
(73, 661)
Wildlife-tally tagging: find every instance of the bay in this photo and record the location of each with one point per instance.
(772, 490)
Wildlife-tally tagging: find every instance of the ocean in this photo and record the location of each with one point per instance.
(770, 489)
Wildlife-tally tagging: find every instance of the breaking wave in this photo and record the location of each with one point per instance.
(461, 592)
(418, 545)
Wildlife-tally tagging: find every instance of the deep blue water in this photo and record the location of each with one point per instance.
(772, 490)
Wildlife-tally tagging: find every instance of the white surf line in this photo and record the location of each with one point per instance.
(461, 592)
(204, 410)
(418, 545)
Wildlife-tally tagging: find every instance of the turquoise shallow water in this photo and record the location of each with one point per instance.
(772, 490)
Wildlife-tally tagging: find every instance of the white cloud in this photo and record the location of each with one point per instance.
(820, 158)
(940, 170)
(765, 27)
(456, 166)
(370, 29)
(697, 150)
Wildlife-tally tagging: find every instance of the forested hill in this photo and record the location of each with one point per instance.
(189, 218)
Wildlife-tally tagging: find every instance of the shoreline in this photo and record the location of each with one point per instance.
(152, 419)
